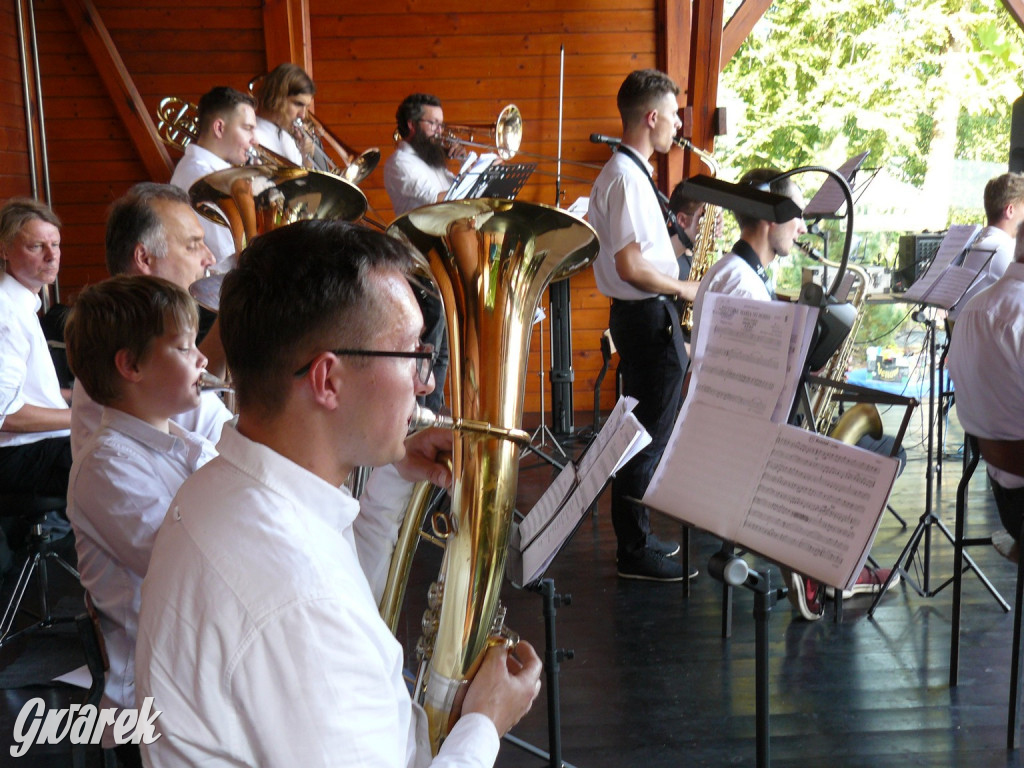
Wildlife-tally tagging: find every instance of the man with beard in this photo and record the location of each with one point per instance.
(417, 173)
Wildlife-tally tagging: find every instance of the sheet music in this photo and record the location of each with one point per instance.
(800, 499)
(548, 525)
(952, 246)
(538, 553)
(828, 199)
(580, 207)
(734, 468)
(467, 179)
(745, 363)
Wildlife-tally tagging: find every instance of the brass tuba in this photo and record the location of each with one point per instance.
(491, 260)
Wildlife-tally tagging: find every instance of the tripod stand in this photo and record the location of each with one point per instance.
(542, 432)
(928, 520)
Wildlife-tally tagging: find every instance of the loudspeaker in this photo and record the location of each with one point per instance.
(915, 254)
(1017, 136)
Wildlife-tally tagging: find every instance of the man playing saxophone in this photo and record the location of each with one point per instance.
(637, 269)
(742, 272)
(259, 636)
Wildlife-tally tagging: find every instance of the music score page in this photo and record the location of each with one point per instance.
(801, 499)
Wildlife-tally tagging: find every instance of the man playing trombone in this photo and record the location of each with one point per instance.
(417, 172)
(637, 269)
(282, 100)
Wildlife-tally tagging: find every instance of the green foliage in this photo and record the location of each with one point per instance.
(820, 79)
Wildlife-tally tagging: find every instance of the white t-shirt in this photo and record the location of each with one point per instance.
(196, 163)
(410, 182)
(624, 210)
(986, 361)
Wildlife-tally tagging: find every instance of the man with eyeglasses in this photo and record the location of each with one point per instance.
(415, 175)
(417, 172)
(259, 636)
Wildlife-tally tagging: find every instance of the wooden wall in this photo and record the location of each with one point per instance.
(366, 59)
(14, 166)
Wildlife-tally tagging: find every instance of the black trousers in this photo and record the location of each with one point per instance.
(652, 361)
(41, 467)
(1010, 503)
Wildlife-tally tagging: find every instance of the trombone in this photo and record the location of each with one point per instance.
(354, 166)
(504, 136)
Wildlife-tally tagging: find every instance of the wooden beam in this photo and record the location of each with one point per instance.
(743, 21)
(705, 65)
(286, 33)
(672, 54)
(1016, 9)
(121, 88)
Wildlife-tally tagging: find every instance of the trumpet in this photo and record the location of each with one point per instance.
(355, 166)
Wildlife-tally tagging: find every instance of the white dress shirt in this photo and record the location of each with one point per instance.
(206, 419)
(118, 493)
(196, 163)
(410, 182)
(986, 361)
(27, 375)
(624, 210)
(730, 275)
(992, 242)
(278, 141)
(259, 637)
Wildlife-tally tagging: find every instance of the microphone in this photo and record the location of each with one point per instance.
(600, 138)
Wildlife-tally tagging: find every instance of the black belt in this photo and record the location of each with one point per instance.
(659, 297)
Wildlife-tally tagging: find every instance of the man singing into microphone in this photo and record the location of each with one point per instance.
(637, 269)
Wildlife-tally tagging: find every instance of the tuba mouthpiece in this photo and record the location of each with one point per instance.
(424, 418)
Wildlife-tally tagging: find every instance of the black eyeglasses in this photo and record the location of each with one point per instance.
(425, 356)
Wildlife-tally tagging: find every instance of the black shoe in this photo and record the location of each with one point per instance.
(650, 565)
(665, 548)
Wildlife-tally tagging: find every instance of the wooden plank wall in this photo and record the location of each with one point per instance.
(14, 166)
(365, 60)
(476, 60)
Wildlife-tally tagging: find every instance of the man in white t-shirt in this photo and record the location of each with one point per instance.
(986, 361)
(35, 452)
(416, 174)
(227, 132)
(152, 230)
(637, 269)
(992, 251)
(259, 635)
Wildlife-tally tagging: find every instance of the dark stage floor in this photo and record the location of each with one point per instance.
(652, 682)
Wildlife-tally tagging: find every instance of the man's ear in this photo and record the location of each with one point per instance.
(142, 260)
(651, 118)
(127, 365)
(327, 381)
(217, 126)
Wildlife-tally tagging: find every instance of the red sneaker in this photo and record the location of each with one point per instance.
(806, 594)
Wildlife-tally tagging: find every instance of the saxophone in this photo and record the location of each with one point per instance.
(704, 246)
(862, 418)
(491, 260)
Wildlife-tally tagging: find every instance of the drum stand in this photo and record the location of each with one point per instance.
(923, 531)
(552, 660)
(542, 432)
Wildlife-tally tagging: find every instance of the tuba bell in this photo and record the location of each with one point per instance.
(491, 260)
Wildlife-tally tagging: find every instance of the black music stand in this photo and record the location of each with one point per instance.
(923, 531)
(500, 180)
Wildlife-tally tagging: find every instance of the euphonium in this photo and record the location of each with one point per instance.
(704, 247)
(491, 260)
